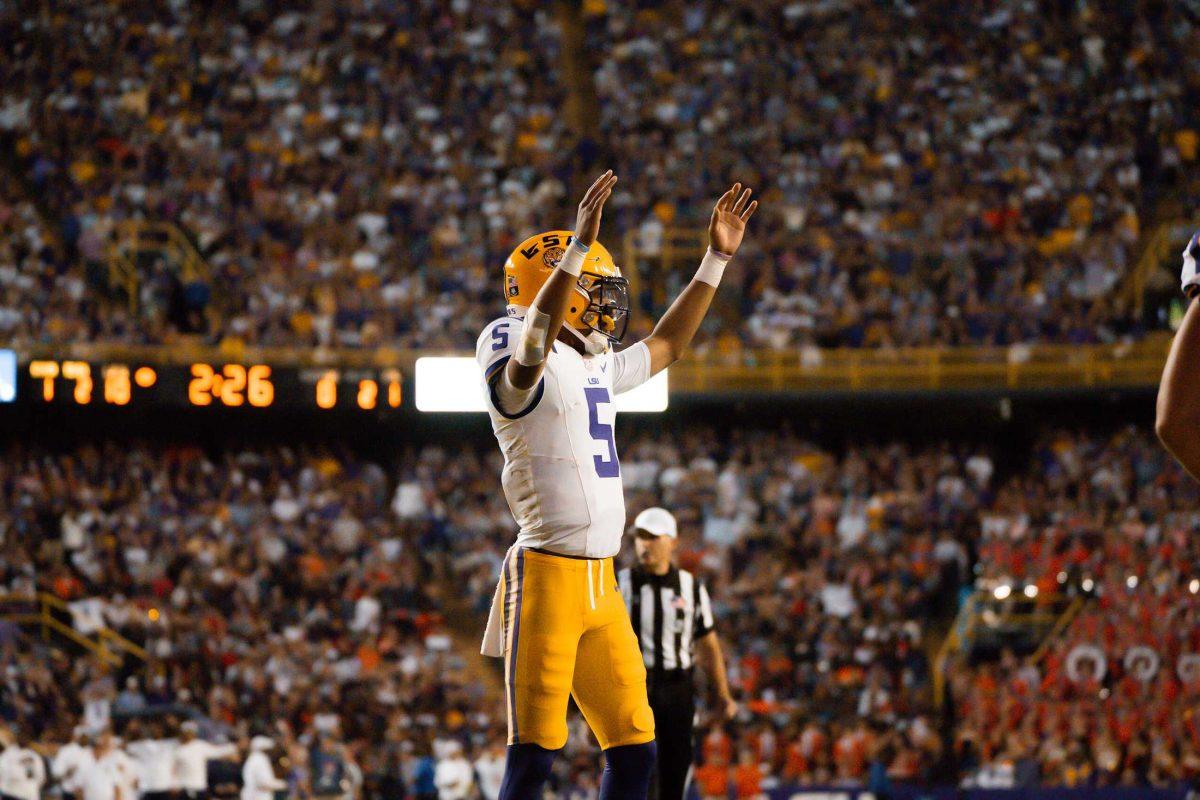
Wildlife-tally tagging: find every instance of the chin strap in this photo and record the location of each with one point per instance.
(594, 343)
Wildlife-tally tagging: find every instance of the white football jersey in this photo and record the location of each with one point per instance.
(561, 474)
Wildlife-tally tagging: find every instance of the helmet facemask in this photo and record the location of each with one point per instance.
(607, 312)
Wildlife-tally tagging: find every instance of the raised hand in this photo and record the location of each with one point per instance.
(587, 222)
(729, 217)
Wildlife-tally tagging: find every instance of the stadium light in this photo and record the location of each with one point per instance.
(1031, 591)
(1002, 591)
(453, 384)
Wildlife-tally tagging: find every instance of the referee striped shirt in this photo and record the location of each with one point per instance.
(669, 612)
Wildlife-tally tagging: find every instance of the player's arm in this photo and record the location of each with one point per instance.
(675, 329)
(1178, 413)
(545, 316)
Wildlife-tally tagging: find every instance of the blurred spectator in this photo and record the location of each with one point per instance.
(22, 770)
(154, 755)
(258, 776)
(112, 775)
(190, 761)
(71, 763)
(454, 777)
(489, 770)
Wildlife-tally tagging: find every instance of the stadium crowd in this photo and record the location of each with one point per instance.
(1114, 699)
(339, 167)
(304, 595)
(275, 593)
(937, 172)
(965, 172)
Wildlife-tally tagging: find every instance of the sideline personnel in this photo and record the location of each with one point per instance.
(672, 614)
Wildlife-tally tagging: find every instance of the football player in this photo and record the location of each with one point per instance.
(550, 376)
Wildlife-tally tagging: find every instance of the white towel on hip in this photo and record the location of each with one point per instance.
(494, 634)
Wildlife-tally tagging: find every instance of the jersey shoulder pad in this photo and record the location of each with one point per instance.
(498, 339)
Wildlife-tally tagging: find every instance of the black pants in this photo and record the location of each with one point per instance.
(673, 699)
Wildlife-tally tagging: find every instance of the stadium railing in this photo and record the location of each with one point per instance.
(50, 615)
(1016, 367)
(135, 240)
(715, 371)
(987, 620)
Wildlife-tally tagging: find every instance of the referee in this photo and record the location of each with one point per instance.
(672, 615)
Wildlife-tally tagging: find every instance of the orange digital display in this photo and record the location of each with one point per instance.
(233, 385)
(327, 390)
(207, 385)
(117, 389)
(80, 374)
(368, 391)
(394, 392)
(114, 377)
(379, 390)
(46, 372)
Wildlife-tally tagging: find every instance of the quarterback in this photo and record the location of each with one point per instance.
(550, 375)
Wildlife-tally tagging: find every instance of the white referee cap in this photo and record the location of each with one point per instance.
(656, 522)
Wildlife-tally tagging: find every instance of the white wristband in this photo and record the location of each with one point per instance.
(1189, 278)
(572, 260)
(712, 267)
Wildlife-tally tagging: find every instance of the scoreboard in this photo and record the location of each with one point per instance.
(203, 385)
(439, 384)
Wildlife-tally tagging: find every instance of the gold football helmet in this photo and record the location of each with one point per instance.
(600, 303)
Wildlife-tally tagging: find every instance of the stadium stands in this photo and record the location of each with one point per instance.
(981, 178)
(340, 168)
(289, 584)
(938, 172)
(1114, 518)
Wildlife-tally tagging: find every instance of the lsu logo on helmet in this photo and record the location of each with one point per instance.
(600, 301)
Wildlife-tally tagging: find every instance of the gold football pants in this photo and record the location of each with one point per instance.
(566, 632)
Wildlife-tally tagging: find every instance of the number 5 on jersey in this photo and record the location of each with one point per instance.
(602, 432)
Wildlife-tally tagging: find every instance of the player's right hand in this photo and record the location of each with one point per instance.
(587, 221)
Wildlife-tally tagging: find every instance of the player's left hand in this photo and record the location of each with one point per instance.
(729, 217)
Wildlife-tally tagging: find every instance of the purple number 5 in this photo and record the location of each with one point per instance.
(500, 336)
(601, 432)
